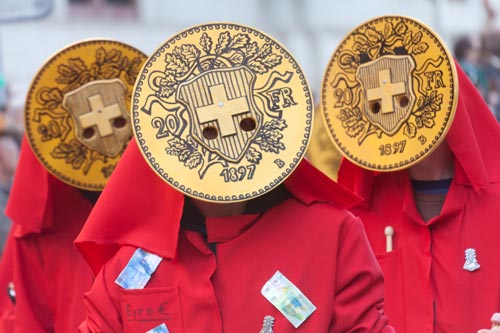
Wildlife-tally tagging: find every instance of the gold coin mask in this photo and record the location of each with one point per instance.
(77, 113)
(222, 112)
(389, 93)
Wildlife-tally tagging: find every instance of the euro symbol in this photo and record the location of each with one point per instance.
(163, 308)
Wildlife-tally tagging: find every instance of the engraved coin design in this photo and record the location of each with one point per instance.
(77, 113)
(389, 93)
(321, 152)
(222, 112)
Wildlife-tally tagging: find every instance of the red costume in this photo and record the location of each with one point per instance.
(6, 293)
(427, 288)
(213, 284)
(49, 275)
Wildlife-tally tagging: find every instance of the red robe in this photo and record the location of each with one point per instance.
(6, 276)
(427, 289)
(317, 245)
(49, 275)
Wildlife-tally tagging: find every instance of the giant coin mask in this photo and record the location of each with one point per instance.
(222, 112)
(77, 110)
(389, 93)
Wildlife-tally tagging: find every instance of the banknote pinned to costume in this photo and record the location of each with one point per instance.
(389, 93)
(138, 270)
(222, 112)
(288, 299)
(77, 113)
(159, 329)
(321, 152)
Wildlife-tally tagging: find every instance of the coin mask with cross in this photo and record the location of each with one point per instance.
(387, 83)
(77, 112)
(222, 112)
(385, 91)
(100, 114)
(389, 93)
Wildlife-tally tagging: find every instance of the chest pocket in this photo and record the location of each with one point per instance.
(145, 309)
(391, 265)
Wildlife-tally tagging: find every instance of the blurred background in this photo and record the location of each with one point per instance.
(33, 30)
(310, 29)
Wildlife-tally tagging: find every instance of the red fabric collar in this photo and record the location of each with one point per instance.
(138, 208)
(35, 194)
(223, 229)
(29, 193)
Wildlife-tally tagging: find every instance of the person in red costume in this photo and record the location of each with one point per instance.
(58, 179)
(291, 259)
(442, 274)
(48, 274)
(217, 257)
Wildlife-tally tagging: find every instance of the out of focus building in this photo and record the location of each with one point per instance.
(310, 29)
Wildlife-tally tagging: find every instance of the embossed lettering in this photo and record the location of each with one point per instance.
(279, 99)
(238, 174)
(343, 96)
(422, 139)
(434, 80)
(49, 131)
(395, 148)
(279, 162)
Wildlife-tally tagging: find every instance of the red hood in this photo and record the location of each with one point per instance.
(138, 208)
(474, 126)
(33, 192)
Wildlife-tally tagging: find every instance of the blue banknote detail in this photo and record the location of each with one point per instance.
(139, 269)
(159, 329)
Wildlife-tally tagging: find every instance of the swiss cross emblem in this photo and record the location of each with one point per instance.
(387, 85)
(102, 122)
(224, 116)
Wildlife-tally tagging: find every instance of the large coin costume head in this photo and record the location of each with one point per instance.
(222, 112)
(389, 93)
(77, 110)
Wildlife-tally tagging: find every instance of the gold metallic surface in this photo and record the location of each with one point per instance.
(389, 93)
(77, 113)
(222, 112)
(321, 152)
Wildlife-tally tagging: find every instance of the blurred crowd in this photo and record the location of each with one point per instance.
(479, 56)
(11, 130)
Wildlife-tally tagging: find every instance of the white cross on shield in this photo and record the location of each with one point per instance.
(222, 101)
(99, 112)
(388, 91)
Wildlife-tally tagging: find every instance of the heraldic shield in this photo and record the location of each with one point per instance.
(388, 91)
(101, 119)
(224, 116)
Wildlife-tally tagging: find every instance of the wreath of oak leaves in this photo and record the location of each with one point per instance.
(74, 74)
(188, 60)
(371, 45)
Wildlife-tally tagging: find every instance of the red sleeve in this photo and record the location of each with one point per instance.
(31, 309)
(102, 300)
(359, 298)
